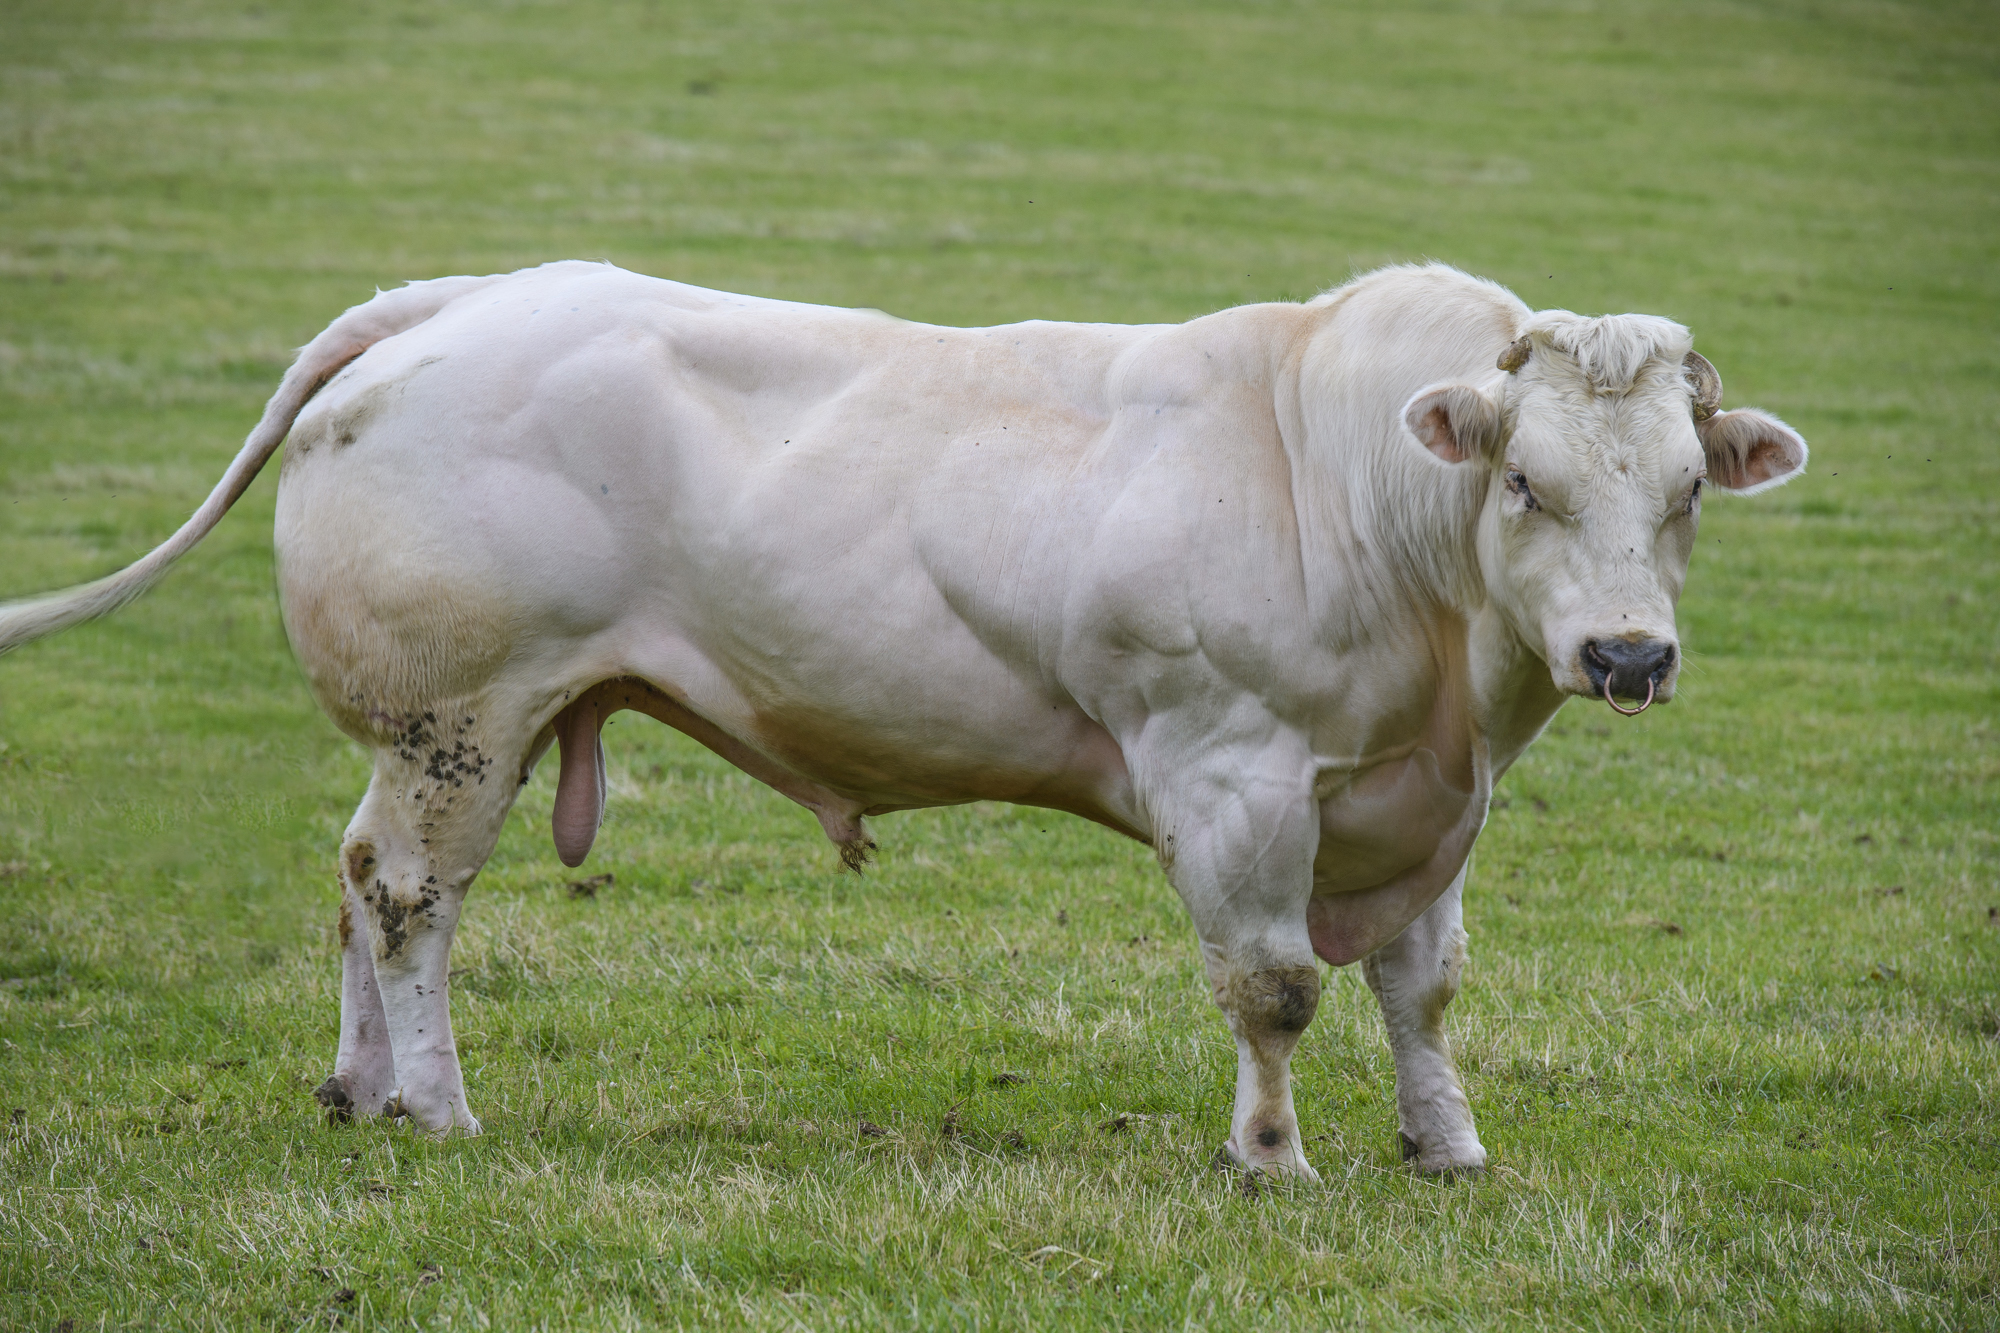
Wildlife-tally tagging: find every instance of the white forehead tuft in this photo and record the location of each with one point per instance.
(1609, 351)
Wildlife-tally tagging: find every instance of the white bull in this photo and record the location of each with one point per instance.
(1280, 591)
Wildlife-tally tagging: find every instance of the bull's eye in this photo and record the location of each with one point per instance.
(1518, 485)
(1694, 497)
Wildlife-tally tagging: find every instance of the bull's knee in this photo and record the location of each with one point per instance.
(397, 917)
(1417, 979)
(1451, 955)
(1451, 968)
(1275, 1000)
(400, 904)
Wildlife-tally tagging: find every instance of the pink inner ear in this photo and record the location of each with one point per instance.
(1767, 459)
(1438, 436)
(1748, 449)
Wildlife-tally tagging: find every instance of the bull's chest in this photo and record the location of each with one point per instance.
(1385, 818)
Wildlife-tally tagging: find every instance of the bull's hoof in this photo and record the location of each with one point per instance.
(1438, 1170)
(427, 1116)
(1268, 1172)
(333, 1095)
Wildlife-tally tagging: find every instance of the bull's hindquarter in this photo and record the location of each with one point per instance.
(884, 566)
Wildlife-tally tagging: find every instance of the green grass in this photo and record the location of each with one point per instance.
(1730, 1024)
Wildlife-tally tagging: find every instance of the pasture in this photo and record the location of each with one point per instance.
(1731, 1024)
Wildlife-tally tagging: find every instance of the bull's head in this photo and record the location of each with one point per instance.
(1600, 438)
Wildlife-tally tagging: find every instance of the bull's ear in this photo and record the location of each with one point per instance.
(1455, 421)
(1750, 451)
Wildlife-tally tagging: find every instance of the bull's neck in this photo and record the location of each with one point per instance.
(1391, 551)
(1387, 532)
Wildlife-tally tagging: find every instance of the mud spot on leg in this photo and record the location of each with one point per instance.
(333, 1095)
(856, 854)
(1283, 999)
(358, 862)
(393, 920)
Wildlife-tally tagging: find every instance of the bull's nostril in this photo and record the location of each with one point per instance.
(1627, 667)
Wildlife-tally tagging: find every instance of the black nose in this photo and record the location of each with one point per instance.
(1630, 665)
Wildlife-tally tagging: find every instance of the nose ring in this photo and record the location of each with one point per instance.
(1629, 712)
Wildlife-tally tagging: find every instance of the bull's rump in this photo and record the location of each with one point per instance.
(576, 472)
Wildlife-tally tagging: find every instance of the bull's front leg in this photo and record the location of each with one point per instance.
(1239, 848)
(1414, 977)
(1269, 1002)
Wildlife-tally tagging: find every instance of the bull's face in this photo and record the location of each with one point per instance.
(1594, 495)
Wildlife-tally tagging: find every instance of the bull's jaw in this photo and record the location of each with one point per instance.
(1514, 692)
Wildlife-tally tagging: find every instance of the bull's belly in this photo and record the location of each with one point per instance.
(937, 721)
(1061, 761)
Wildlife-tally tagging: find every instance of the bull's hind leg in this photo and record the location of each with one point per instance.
(1414, 977)
(431, 816)
(364, 1071)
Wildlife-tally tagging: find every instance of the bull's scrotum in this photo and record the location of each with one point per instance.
(1281, 591)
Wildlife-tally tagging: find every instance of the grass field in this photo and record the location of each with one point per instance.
(1732, 1021)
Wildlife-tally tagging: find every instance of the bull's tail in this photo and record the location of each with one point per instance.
(390, 313)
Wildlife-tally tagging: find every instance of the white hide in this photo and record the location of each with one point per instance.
(1281, 591)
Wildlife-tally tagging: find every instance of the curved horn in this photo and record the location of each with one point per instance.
(1707, 385)
(1516, 355)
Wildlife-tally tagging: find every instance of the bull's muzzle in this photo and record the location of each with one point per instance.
(1632, 668)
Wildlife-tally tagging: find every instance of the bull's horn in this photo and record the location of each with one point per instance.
(1516, 355)
(1707, 385)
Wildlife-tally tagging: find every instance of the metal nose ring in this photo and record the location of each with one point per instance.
(1629, 712)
